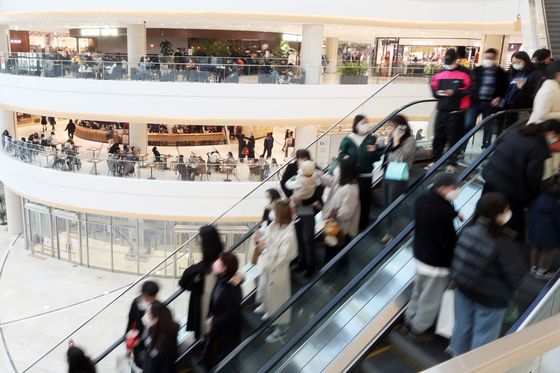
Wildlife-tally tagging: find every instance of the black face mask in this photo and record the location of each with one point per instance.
(448, 61)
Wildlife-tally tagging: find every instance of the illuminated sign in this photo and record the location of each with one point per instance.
(99, 32)
(476, 44)
(15, 41)
(423, 43)
(290, 37)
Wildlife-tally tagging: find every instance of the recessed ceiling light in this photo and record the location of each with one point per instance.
(177, 22)
(218, 24)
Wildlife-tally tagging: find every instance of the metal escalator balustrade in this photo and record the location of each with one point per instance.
(121, 304)
(551, 10)
(366, 248)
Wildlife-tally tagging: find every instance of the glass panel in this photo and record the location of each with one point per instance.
(125, 254)
(152, 249)
(46, 239)
(99, 243)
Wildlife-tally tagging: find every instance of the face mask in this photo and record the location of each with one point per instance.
(517, 66)
(217, 267)
(551, 140)
(488, 63)
(142, 305)
(363, 129)
(146, 321)
(506, 218)
(336, 172)
(266, 203)
(453, 195)
(452, 66)
(272, 215)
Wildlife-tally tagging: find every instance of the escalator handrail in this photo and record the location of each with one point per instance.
(177, 293)
(266, 324)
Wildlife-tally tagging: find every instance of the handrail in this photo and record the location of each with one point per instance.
(175, 295)
(271, 176)
(508, 352)
(266, 324)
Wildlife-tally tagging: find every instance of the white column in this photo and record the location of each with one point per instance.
(135, 44)
(138, 136)
(304, 136)
(4, 38)
(311, 47)
(494, 42)
(13, 211)
(8, 122)
(531, 40)
(332, 54)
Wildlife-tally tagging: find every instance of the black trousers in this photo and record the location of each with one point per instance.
(449, 128)
(305, 231)
(365, 200)
(267, 153)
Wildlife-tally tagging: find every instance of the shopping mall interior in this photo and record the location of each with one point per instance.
(128, 126)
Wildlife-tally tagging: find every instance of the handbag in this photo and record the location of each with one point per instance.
(397, 171)
(340, 237)
(246, 151)
(446, 315)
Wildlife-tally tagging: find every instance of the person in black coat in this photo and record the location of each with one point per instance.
(161, 346)
(78, 362)
(251, 147)
(71, 128)
(199, 280)
(487, 268)
(44, 123)
(242, 146)
(224, 318)
(517, 165)
(137, 309)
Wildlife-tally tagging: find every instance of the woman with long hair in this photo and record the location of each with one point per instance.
(270, 196)
(487, 268)
(516, 167)
(78, 362)
(523, 82)
(161, 351)
(200, 280)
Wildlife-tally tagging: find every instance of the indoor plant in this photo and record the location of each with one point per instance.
(352, 73)
(166, 48)
(3, 223)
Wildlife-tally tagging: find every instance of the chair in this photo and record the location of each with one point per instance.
(232, 78)
(167, 78)
(254, 170)
(134, 75)
(265, 78)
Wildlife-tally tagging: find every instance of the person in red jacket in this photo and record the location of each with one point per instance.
(452, 88)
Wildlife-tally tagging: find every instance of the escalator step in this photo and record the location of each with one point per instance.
(427, 354)
(388, 360)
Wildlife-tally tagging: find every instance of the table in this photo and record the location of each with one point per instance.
(95, 162)
(142, 156)
(93, 150)
(151, 166)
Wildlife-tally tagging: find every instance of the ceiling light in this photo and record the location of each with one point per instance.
(177, 22)
(218, 24)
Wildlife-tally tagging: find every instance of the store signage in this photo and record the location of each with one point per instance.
(423, 43)
(15, 41)
(99, 32)
(476, 44)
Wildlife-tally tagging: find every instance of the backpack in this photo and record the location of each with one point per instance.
(268, 142)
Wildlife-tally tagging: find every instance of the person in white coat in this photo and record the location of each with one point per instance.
(547, 101)
(278, 248)
(343, 202)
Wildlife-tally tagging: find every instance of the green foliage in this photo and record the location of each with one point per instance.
(431, 69)
(91, 48)
(219, 47)
(283, 45)
(351, 69)
(166, 48)
(3, 209)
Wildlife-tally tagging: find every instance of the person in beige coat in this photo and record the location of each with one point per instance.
(547, 101)
(343, 201)
(279, 248)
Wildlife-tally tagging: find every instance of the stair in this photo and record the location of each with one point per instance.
(552, 15)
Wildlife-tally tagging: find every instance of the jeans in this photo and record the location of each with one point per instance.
(275, 76)
(449, 128)
(475, 325)
(484, 108)
(305, 230)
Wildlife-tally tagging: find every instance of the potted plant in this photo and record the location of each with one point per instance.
(352, 73)
(3, 222)
(166, 48)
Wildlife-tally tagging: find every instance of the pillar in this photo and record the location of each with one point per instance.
(138, 136)
(311, 48)
(13, 211)
(4, 38)
(135, 44)
(530, 35)
(304, 136)
(332, 54)
(8, 122)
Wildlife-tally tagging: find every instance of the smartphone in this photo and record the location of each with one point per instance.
(441, 92)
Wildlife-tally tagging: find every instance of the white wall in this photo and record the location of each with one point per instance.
(411, 10)
(151, 199)
(196, 103)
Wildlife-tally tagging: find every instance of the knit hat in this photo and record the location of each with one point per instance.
(308, 167)
(443, 179)
(450, 55)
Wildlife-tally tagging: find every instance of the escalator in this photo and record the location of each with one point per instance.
(359, 296)
(551, 10)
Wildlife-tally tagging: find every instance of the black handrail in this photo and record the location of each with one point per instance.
(176, 294)
(266, 324)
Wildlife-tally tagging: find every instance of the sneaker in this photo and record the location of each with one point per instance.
(533, 270)
(429, 166)
(265, 316)
(450, 169)
(387, 238)
(426, 336)
(547, 275)
(260, 309)
(276, 336)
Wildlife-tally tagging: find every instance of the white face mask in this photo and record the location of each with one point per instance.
(551, 140)
(488, 63)
(142, 305)
(336, 172)
(453, 195)
(363, 128)
(505, 218)
(146, 321)
(266, 203)
(517, 66)
(453, 66)
(272, 215)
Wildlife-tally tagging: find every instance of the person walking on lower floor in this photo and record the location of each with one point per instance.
(544, 229)
(487, 268)
(434, 242)
(452, 88)
(71, 128)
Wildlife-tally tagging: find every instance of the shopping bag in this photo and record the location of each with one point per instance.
(446, 316)
(512, 311)
(397, 171)
(124, 364)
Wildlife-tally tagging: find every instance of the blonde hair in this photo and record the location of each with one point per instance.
(283, 212)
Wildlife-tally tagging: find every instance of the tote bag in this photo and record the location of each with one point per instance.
(446, 315)
(397, 171)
